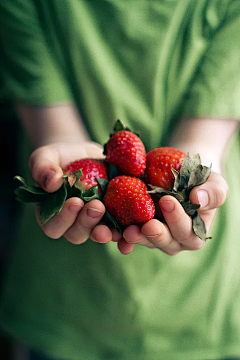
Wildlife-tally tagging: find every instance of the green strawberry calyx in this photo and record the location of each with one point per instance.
(192, 173)
(119, 126)
(52, 203)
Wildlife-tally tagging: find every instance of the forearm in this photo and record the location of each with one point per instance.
(207, 137)
(46, 125)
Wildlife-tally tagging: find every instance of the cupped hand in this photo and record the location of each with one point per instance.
(177, 233)
(76, 222)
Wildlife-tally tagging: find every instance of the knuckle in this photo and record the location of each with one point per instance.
(175, 219)
(84, 226)
(160, 241)
(135, 240)
(86, 221)
(185, 239)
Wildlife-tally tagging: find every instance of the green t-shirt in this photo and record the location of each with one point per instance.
(148, 63)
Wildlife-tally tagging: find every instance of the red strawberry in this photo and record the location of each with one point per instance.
(91, 169)
(188, 173)
(126, 151)
(128, 201)
(159, 163)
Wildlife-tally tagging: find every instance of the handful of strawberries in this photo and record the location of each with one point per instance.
(128, 181)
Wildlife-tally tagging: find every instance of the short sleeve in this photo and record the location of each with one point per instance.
(215, 91)
(29, 68)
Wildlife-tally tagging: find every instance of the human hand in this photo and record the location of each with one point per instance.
(177, 234)
(76, 222)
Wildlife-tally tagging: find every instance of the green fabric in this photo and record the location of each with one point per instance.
(148, 63)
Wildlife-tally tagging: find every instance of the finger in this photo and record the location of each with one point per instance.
(116, 236)
(45, 168)
(71, 152)
(124, 247)
(94, 150)
(153, 234)
(87, 219)
(133, 235)
(59, 224)
(211, 194)
(179, 223)
(101, 234)
(160, 237)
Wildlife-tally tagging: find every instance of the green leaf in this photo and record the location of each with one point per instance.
(78, 174)
(184, 173)
(199, 227)
(176, 179)
(112, 171)
(119, 126)
(20, 179)
(196, 160)
(73, 178)
(103, 183)
(189, 208)
(30, 188)
(90, 194)
(192, 173)
(53, 204)
(73, 191)
(161, 192)
(199, 176)
(111, 222)
(25, 196)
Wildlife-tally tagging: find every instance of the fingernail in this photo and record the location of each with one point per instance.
(152, 237)
(167, 206)
(94, 213)
(74, 208)
(130, 241)
(49, 177)
(203, 198)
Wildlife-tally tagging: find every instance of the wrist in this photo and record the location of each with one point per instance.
(207, 154)
(53, 124)
(52, 139)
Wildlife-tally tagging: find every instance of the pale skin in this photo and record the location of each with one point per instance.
(58, 142)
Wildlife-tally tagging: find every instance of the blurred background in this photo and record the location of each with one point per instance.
(8, 205)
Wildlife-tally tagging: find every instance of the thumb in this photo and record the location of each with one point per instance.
(210, 195)
(45, 168)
